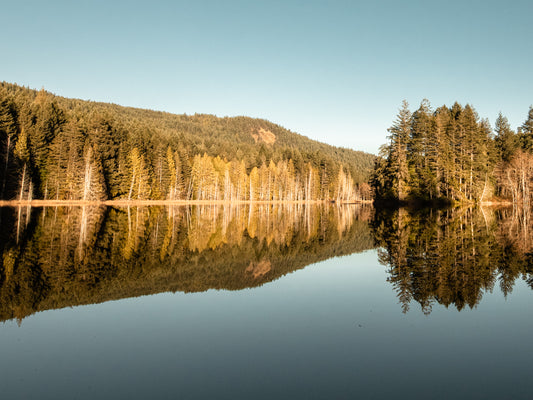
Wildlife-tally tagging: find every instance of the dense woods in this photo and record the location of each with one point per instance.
(450, 154)
(67, 149)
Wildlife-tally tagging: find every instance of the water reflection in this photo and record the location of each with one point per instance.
(453, 257)
(58, 257)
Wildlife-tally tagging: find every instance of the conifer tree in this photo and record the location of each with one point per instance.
(442, 153)
(470, 153)
(526, 132)
(254, 183)
(22, 153)
(381, 179)
(174, 168)
(93, 178)
(8, 132)
(527, 126)
(422, 125)
(139, 176)
(49, 120)
(399, 137)
(488, 160)
(505, 138)
(106, 139)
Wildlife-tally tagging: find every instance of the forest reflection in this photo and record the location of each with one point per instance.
(56, 257)
(454, 256)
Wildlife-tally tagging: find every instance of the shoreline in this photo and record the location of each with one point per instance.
(137, 203)
(496, 204)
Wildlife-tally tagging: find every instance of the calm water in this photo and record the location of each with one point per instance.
(265, 302)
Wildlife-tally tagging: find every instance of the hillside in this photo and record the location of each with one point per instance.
(58, 148)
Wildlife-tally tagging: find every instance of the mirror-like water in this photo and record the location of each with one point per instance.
(266, 301)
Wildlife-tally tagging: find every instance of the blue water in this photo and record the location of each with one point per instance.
(332, 330)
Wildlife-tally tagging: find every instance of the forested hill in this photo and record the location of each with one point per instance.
(58, 148)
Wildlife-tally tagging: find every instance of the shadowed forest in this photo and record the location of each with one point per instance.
(55, 148)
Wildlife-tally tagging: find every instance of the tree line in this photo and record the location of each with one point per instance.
(450, 154)
(67, 149)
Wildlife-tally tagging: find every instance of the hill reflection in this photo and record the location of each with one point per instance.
(58, 257)
(453, 257)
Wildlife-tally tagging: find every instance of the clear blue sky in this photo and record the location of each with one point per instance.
(335, 71)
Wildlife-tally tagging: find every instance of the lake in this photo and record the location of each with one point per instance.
(265, 301)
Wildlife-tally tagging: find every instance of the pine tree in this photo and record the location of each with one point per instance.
(399, 137)
(526, 132)
(8, 132)
(22, 154)
(254, 183)
(381, 179)
(469, 150)
(139, 176)
(106, 139)
(505, 138)
(421, 127)
(203, 178)
(48, 119)
(93, 177)
(442, 152)
(176, 179)
(487, 160)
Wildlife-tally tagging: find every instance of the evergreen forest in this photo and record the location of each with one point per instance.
(55, 148)
(451, 155)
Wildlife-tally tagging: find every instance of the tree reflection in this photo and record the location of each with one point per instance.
(453, 256)
(56, 257)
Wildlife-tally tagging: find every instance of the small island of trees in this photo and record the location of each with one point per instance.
(451, 155)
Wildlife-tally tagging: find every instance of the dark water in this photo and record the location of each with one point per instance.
(265, 302)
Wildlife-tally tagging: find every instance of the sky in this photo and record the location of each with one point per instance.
(335, 71)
